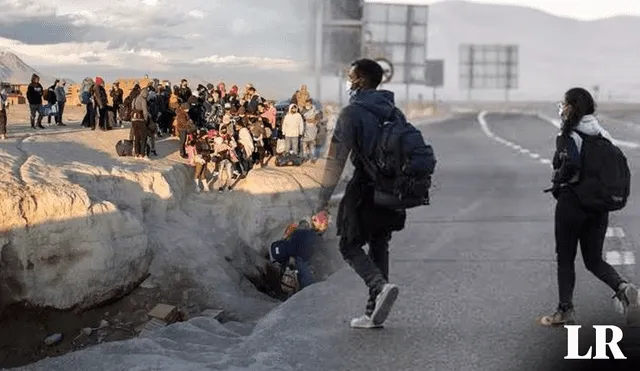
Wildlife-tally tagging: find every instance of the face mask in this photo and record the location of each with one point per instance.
(351, 91)
(348, 87)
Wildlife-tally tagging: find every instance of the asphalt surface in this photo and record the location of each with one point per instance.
(476, 270)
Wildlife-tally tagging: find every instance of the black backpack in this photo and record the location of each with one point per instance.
(401, 164)
(605, 178)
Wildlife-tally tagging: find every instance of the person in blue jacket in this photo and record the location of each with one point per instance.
(300, 245)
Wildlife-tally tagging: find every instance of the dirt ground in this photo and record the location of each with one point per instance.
(24, 329)
(19, 114)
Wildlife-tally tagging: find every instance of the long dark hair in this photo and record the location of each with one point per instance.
(580, 104)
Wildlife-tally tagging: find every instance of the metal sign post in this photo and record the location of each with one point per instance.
(337, 36)
(434, 77)
(398, 33)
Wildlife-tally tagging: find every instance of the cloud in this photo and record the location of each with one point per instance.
(97, 53)
(252, 62)
(197, 14)
(157, 34)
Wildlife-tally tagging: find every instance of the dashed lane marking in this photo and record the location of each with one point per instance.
(620, 257)
(482, 120)
(615, 232)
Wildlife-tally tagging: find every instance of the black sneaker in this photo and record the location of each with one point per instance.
(627, 302)
(384, 302)
(560, 318)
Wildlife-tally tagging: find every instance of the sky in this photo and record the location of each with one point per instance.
(74, 37)
(578, 9)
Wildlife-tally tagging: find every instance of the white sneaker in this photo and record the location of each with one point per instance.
(197, 186)
(205, 187)
(384, 301)
(363, 322)
(4, 136)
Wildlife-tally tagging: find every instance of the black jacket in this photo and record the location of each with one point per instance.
(34, 93)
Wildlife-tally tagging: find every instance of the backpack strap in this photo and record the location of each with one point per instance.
(369, 166)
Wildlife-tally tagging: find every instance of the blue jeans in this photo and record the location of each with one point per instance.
(304, 272)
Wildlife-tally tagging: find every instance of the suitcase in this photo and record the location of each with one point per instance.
(124, 148)
(288, 159)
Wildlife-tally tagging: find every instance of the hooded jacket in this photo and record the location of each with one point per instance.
(100, 94)
(34, 91)
(356, 130)
(300, 244)
(140, 103)
(567, 158)
(292, 124)
(61, 95)
(246, 139)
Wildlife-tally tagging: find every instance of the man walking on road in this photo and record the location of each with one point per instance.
(360, 221)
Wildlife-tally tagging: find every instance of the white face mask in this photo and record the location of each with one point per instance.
(560, 107)
(349, 88)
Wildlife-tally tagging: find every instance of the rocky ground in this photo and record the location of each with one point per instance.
(93, 241)
(81, 227)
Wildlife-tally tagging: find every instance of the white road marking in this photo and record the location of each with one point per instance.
(485, 128)
(620, 258)
(615, 232)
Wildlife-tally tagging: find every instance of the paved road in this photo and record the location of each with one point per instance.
(476, 270)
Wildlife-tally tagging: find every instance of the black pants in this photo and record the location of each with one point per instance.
(574, 224)
(3, 121)
(103, 120)
(139, 137)
(360, 222)
(183, 141)
(373, 268)
(60, 112)
(89, 120)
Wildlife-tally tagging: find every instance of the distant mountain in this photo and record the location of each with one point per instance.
(16, 71)
(555, 52)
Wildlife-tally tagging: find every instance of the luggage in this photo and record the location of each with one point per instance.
(124, 148)
(288, 159)
(49, 109)
(111, 118)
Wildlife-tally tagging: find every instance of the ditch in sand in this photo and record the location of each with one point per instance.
(81, 224)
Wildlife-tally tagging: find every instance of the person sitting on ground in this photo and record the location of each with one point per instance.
(299, 246)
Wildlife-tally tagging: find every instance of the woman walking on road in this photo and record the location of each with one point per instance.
(573, 222)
